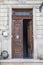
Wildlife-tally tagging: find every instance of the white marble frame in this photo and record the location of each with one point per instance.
(10, 29)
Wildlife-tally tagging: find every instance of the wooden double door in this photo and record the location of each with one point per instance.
(22, 37)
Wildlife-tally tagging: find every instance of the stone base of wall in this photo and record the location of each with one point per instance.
(21, 63)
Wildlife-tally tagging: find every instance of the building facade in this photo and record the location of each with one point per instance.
(6, 24)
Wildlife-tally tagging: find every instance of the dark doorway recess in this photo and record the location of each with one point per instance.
(25, 38)
(26, 35)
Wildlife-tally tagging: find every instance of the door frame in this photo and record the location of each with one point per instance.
(27, 18)
(10, 30)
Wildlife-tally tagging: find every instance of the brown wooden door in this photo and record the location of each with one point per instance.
(20, 47)
(30, 38)
(17, 42)
(17, 39)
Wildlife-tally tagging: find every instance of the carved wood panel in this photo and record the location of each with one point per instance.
(17, 39)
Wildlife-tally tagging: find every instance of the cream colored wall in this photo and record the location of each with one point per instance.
(39, 31)
(5, 25)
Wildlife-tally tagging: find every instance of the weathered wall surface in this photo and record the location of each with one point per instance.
(21, 63)
(39, 30)
(5, 24)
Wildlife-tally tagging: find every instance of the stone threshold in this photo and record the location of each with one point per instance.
(21, 60)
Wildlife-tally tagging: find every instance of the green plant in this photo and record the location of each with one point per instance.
(40, 57)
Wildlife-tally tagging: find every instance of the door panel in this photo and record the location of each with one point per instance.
(17, 39)
(30, 39)
(17, 42)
